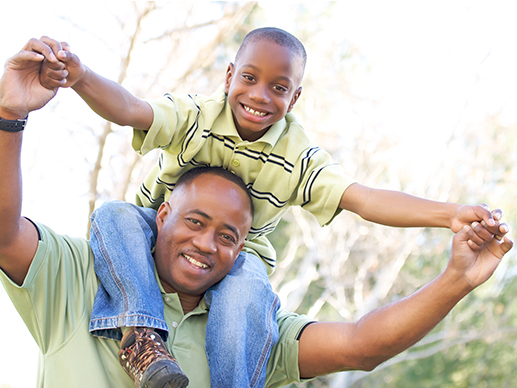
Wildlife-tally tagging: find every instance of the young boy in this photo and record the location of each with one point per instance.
(244, 127)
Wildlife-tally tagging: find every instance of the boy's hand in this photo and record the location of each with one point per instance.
(465, 215)
(64, 73)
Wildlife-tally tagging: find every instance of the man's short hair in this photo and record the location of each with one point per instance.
(188, 176)
(278, 36)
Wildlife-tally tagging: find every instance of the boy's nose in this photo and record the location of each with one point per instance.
(260, 94)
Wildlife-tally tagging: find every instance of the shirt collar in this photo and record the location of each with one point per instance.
(201, 308)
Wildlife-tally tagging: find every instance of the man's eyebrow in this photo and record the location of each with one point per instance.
(228, 226)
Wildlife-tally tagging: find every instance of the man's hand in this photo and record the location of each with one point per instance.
(476, 254)
(20, 89)
(465, 215)
(64, 73)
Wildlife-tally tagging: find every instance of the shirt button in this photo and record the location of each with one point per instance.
(174, 324)
(241, 148)
(236, 163)
(167, 299)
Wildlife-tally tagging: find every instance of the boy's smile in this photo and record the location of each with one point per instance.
(262, 86)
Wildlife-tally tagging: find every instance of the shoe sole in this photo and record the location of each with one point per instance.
(164, 374)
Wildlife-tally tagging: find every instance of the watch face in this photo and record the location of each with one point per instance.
(12, 125)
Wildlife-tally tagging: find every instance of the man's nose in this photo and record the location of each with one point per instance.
(205, 241)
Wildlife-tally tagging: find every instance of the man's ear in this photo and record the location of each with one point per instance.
(163, 213)
(228, 79)
(295, 98)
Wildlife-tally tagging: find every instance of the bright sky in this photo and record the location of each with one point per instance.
(432, 64)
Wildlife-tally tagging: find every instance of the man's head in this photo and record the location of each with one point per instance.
(264, 82)
(201, 230)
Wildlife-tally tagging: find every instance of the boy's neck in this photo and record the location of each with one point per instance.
(253, 136)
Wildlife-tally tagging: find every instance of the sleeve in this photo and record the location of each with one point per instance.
(173, 115)
(59, 282)
(282, 367)
(320, 185)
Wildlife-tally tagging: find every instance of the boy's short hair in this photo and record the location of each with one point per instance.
(188, 176)
(278, 36)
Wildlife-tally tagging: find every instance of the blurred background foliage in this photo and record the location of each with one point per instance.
(345, 270)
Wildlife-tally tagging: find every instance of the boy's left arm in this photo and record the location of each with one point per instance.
(394, 208)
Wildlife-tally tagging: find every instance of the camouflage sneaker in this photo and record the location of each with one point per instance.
(145, 358)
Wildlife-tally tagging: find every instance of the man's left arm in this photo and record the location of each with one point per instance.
(395, 208)
(330, 347)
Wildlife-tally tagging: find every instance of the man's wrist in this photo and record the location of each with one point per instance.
(12, 125)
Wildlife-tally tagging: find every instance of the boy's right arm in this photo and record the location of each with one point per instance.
(107, 98)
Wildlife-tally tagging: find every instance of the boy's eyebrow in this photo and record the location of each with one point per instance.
(228, 226)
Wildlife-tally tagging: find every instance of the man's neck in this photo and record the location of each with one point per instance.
(188, 302)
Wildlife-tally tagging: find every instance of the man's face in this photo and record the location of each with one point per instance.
(201, 231)
(262, 87)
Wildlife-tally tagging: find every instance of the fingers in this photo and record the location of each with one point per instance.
(499, 228)
(54, 45)
(479, 237)
(486, 215)
(478, 234)
(506, 245)
(53, 72)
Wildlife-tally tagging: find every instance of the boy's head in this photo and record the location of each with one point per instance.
(264, 82)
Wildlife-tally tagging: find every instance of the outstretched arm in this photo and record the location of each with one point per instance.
(387, 331)
(107, 98)
(394, 208)
(20, 93)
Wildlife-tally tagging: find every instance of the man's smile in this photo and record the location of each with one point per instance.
(195, 263)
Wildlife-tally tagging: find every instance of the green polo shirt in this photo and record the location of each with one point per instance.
(55, 301)
(281, 169)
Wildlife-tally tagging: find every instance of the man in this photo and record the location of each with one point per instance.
(201, 230)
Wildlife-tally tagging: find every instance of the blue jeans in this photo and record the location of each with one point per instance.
(241, 328)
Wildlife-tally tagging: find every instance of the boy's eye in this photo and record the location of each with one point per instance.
(248, 77)
(280, 88)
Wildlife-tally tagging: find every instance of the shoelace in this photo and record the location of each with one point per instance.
(146, 350)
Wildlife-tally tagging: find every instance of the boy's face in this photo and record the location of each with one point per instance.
(262, 86)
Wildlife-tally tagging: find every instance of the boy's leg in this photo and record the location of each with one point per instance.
(242, 325)
(122, 236)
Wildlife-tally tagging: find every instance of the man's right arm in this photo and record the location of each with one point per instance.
(107, 98)
(20, 93)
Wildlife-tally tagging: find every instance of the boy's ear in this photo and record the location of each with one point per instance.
(162, 214)
(228, 79)
(295, 98)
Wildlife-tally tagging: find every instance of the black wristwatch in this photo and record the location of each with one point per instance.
(12, 125)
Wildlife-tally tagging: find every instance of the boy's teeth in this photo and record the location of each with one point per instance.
(195, 262)
(254, 112)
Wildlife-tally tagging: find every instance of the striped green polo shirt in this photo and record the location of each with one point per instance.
(281, 169)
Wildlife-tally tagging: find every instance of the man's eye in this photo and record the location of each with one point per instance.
(228, 238)
(193, 221)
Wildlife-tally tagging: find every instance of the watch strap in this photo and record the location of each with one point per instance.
(12, 125)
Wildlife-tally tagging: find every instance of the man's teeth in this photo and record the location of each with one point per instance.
(254, 112)
(195, 262)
